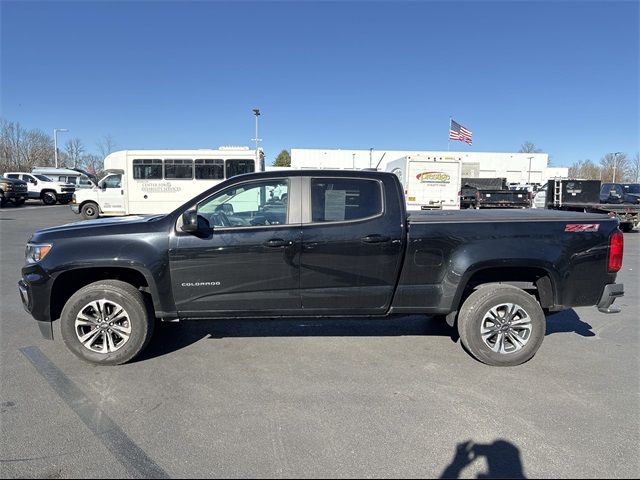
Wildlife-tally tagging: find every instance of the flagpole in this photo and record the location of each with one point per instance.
(449, 136)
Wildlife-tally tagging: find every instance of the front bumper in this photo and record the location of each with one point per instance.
(610, 293)
(35, 291)
(64, 197)
(15, 195)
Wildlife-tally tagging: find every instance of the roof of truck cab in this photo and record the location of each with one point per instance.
(318, 173)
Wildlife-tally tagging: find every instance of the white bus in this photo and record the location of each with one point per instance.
(139, 182)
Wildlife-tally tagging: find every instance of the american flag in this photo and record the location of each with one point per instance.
(458, 132)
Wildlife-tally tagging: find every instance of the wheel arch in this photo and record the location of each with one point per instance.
(538, 279)
(90, 201)
(70, 281)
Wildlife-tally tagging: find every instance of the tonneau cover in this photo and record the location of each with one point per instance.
(507, 215)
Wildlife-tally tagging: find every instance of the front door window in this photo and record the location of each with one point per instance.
(248, 205)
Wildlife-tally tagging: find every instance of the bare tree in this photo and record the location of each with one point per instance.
(529, 147)
(621, 165)
(37, 149)
(584, 170)
(634, 170)
(12, 137)
(22, 149)
(92, 163)
(74, 150)
(106, 145)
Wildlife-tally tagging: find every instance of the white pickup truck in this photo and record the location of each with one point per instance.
(43, 188)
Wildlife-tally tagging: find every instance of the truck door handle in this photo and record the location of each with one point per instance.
(375, 238)
(277, 242)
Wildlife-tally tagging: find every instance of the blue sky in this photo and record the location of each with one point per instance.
(386, 75)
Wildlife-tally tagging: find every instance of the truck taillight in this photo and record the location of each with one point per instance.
(616, 248)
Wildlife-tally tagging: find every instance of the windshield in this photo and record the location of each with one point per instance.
(635, 188)
(43, 178)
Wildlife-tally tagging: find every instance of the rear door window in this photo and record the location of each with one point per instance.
(341, 199)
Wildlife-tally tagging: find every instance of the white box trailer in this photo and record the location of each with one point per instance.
(139, 182)
(429, 184)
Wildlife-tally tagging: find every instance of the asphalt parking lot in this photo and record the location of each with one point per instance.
(311, 398)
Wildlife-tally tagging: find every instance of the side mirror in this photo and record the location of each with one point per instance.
(35, 182)
(190, 221)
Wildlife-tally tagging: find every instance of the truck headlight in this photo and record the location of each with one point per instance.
(36, 251)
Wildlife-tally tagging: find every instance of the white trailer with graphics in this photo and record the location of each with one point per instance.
(139, 182)
(429, 183)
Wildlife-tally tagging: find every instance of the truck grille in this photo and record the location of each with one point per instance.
(68, 189)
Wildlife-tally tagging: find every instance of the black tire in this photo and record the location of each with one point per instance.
(18, 202)
(90, 211)
(48, 197)
(626, 227)
(3, 201)
(137, 317)
(512, 345)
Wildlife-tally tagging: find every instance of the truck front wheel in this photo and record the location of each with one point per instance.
(89, 211)
(106, 322)
(501, 325)
(48, 198)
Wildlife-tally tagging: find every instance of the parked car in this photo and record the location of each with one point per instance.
(334, 243)
(43, 188)
(620, 193)
(12, 190)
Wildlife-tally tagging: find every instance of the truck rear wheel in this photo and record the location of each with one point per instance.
(89, 211)
(501, 325)
(106, 323)
(48, 198)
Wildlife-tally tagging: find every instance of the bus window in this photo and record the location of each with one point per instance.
(147, 169)
(178, 169)
(209, 169)
(238, 167)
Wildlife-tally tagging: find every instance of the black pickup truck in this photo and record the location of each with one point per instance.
(319, 243)
(12, 190)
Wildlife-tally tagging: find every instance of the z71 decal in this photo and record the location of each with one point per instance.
(582, 227)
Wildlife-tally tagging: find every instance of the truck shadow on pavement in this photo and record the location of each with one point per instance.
(568, 321)
(170, 337)
(502, 459)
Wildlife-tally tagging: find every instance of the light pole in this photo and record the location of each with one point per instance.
(55, 143)
(256, 112)
(529, 174)
(615, 165)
